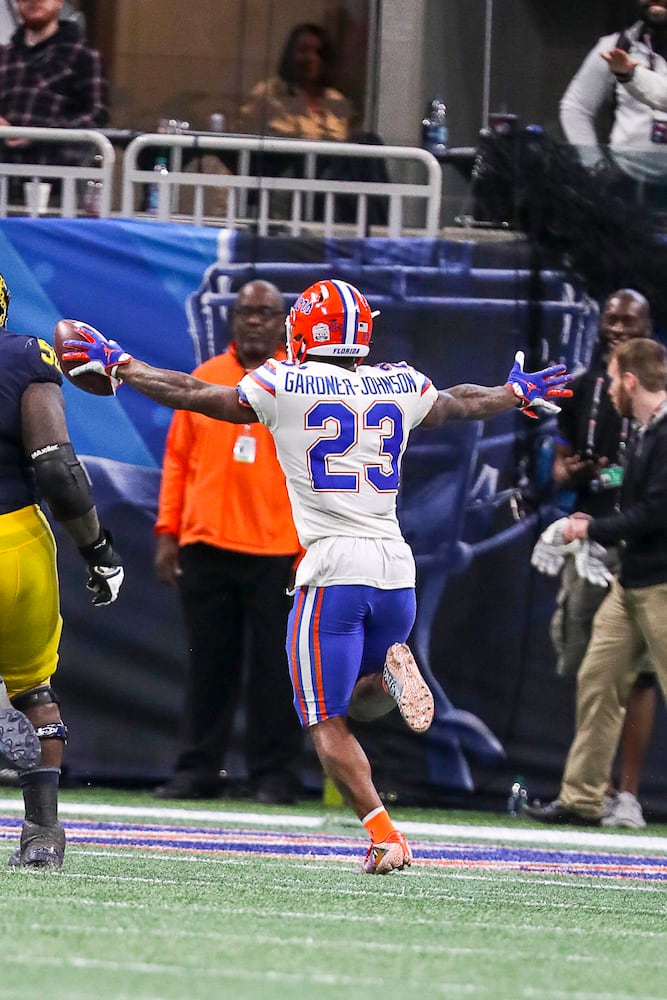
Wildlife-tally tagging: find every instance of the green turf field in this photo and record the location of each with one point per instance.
(490, 909)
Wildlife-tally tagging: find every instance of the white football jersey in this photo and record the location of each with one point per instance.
(340, 436)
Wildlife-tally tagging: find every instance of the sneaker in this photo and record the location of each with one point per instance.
(625, 812)
(556, 813)
(408, 688)
(608, 803)
(19, 743)
(41, 847)
(392, 854)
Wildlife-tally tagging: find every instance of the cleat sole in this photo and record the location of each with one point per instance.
(19, 743)
(408, 688)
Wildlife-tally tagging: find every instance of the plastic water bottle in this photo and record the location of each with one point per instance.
(435, 131)
(153, 200)
(518, 797)
(92, 195)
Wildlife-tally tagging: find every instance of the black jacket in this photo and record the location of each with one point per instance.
(641, 523)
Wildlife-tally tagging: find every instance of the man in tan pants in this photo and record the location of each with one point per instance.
(589, 456)
(634, 612)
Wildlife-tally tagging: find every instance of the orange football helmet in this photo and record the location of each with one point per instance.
(329, 319)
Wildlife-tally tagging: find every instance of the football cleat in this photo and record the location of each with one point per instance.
(19, 743)
(391, 855)
(41, 847)
(402, 680)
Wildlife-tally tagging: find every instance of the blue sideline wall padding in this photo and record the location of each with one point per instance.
(472, 504)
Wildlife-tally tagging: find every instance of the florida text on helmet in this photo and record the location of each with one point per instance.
(329, 319)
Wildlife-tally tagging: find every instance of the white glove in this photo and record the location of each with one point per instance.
(104, 582)
(105, 570)
(590, 564)
(550, 550)
(544, 407)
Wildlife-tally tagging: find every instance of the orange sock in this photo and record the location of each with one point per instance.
(378, 824)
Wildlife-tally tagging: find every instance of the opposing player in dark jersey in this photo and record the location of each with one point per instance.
(37, 460)
(340, 428)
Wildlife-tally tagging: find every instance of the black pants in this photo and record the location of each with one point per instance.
(235, 610)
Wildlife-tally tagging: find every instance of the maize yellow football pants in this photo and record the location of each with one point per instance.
(30, 622)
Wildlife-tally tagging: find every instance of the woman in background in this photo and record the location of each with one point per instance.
(299, 102)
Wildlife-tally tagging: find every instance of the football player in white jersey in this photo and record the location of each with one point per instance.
(340, 429)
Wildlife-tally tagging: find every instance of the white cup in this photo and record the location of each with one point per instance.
(36, 194)
(216, 123)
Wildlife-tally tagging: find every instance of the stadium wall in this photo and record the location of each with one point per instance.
(474, 500)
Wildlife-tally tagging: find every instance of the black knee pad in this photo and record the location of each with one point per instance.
(44, 695)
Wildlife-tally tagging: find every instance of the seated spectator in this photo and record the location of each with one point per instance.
(9, 18)
(300, 103)
(49, 77)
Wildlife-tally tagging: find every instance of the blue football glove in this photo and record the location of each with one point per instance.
(531, 388)
(97, 352)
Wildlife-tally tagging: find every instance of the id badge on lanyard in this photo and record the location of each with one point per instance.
(245, 446)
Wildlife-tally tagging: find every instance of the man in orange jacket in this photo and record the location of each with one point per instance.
(226, 538)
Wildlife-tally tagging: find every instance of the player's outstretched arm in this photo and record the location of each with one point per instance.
(175, 389)
(185, 392)
(470, 402)
(525, 390)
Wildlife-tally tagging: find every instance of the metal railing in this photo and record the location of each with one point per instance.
(411, 199)
(299, 193)
(98, 170)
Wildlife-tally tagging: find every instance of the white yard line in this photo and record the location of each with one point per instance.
(97, 811)
(227, 939)
(81, 962)
(518, 833)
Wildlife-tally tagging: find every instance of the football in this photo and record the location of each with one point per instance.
(93, 382)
